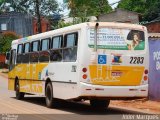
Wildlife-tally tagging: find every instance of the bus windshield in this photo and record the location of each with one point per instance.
(117, 39)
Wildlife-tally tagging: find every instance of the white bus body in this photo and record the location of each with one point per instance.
(103, 67)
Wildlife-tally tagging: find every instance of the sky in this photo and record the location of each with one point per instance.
(65, 12)
(113, 1)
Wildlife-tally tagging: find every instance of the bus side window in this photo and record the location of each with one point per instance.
(19, 53)
(34, 55)
(56, 48)
(44, 53)
(26, 56)
(35, 46)
(26, 47)
(70, 47)
(45, 44)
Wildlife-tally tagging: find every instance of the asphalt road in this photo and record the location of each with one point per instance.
(33, 107)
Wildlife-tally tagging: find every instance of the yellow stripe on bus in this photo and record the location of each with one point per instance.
(28, 75)
(116, 75)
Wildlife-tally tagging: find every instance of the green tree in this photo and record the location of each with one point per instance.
(83, 8)
(149, 9)
(3, 6)
(153, 10)
(62, 24)
(5, 41)
(46, 7)
(133, 5)
(100, 7)
(37, 8)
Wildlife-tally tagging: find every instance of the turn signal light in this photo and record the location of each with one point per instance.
(145, 78)
(84, 76)
(146, 71)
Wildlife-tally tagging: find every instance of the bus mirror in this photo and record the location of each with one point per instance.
(7, 58)
(7, 55)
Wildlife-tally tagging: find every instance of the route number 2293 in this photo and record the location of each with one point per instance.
(136, 60)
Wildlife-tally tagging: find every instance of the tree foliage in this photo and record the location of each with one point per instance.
(153, 10)
(5, 41)
(149, 9)
(37, 8)
(62, 24)
(83, 8)
(133, 5)
(46, 7)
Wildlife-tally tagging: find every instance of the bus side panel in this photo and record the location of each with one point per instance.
(11, 84)
(11, 79)
(64, 90)
(32, 82)
(29, 76)
(64, 80)
(65, 75)
(31, 86)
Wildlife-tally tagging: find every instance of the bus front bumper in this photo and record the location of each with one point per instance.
(90, 90)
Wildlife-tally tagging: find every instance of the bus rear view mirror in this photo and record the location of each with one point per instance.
(7, 58)
(7, 55)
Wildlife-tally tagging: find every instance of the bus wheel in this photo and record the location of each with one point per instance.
(100, 103)
(49, 95)
(19, 95)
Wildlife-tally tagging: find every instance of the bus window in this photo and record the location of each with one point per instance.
(26, 53)
(26, 47)
(56, 51)
(35, 46)
(45, 44)
(57, 42)
(70, 47)
(19, 53)
(70, 40)
(20, 48)
(44, 53)
(34, 55)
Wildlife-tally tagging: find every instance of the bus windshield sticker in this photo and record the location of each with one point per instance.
(117, 39)
(102, 59)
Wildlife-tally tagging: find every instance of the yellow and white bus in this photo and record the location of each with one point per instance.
(90, 61)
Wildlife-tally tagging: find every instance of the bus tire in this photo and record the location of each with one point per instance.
(99, 103)
(19, 95)
(49, 95)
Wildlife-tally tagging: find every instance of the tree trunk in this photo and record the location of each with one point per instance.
(38, 17)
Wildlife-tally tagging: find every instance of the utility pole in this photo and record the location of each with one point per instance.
(38, 17)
